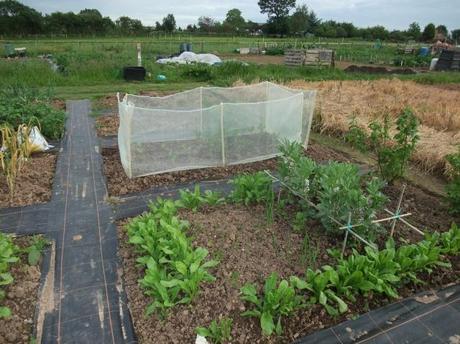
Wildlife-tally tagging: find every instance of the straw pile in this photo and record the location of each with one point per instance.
(438, 110)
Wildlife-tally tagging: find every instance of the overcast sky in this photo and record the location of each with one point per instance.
(394, 14)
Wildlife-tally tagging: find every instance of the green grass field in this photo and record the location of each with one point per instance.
(92, 67)
(346, 49)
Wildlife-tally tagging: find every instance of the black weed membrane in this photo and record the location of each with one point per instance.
(89, 305)
(428, 317)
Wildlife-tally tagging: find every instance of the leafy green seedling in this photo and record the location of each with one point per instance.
(276, 301)
(218, 332)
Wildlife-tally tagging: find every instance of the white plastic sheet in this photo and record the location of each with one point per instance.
(190, 57)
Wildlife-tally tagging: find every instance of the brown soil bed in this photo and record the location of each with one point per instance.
(119, 183)
(107, 125)
(34, 183)
(248, 250)
(21, 298)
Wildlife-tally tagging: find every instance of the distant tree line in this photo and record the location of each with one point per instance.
(17, 19)
(284, 19)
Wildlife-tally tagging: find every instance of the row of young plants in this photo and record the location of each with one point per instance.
(174, 269)
(374, 272)
(9, 255)
(337, 189)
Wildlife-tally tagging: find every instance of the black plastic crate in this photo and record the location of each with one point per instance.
(134, 73)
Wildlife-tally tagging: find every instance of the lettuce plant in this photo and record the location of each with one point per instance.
(251, 188)
(217, 332)
(174, 269)
(8, 255)
(193, 200)
(320, 285)
(276, 301)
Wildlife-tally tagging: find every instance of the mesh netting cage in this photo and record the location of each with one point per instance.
(210, 126)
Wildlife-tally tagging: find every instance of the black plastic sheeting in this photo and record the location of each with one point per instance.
(429, 317)
(90, 303)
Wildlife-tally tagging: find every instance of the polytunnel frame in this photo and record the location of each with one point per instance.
(304, 130)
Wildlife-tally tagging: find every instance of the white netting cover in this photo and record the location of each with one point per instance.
(210, 126)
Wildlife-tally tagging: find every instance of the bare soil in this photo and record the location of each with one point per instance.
(248, 249)
(34, 183)
(429, 212)
(119, 183)
(107, 125)
(21, 298)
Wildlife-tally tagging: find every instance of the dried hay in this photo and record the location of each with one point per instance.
(438, 111)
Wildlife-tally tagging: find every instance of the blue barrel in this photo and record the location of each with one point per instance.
(189, 47)
(183, 47)
(424, 51)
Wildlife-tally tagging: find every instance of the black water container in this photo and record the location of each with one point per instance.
(134, 73)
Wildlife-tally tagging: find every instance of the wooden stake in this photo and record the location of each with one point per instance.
(407, 223)
(398, 209)
(346, 234)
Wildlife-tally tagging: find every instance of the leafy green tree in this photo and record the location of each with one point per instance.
(349, 29)
(442, 29)
(299, 22)
(429, 32)
(414, 31)
(108, 26)
(456, 34)
(398, 36)
(129, 26)
(234, 21)
(327, 29)
(19, 19)
(378, 32)
(276, 8)
(314, 21)
(206, 24)
(62, 23)
(92, 21)
(169, 23)
(303, 21)
(191, 28)
(278, 12)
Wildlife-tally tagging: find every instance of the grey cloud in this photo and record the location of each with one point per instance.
(394, 14)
